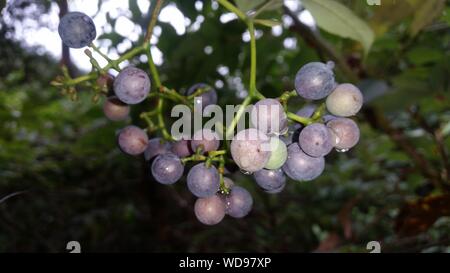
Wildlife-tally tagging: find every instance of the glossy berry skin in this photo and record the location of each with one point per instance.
(132, 140)
(346, 132)
(270, 180)
(207, 98)
(250, 150)
(316, 140)
(302, 167)
(209, 210)
(181, 148)
(345, 101)
(115, 110)
(207, 139)
(132, 85)
(76, 30)
(239, 202)
(203, 181)
(156, 146)
(315, 81)
(278, 154)
(328, 117)
(280, 189)
(167, 168)
(268, 116)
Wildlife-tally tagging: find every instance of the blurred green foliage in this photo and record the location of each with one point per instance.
(72, 182)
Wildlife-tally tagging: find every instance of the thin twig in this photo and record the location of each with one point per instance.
(11, 195)
(378, 120)
(153, 20)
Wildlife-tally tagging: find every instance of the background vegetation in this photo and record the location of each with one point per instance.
(62, 177)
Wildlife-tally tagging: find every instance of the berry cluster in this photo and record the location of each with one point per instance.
(271, 149)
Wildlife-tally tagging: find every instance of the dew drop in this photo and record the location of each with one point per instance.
(341, 150)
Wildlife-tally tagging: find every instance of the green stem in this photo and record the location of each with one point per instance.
(196, 157)
(150, 125)
(152, 23)
(113, 63)
(287, 95)
(258, 95)
(223, 187)
(302, 120)
(253, 93)
(252, 85)
(174, 95)
(320, 111)
(81, 79)
(216, 153)
(130, 54)
(233, 9)
(198, 92)
(96, 49)
(153, 70)
(230, 130)
(161, 123)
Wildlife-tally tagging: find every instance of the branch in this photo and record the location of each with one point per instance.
(378, 120)
(11, 195)
(153, 20)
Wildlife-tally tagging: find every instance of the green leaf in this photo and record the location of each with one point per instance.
(267, 22)
(424, 55)
(425, 14)
(247, 5)
(269, 6)
(337, 19)
(391, 13)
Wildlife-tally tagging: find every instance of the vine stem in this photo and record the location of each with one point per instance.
(114, 64)
(251, 29)
(319, 112)
(161, 123)
(155, 75)
(252, 92)
(226, 4)
(299, 119)
(152, 23)
(130, 54)
(230, 130)
(217, 153)
(216, 156)
(316, 116)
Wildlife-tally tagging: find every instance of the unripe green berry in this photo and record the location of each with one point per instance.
(345, 101)
(278, 154)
